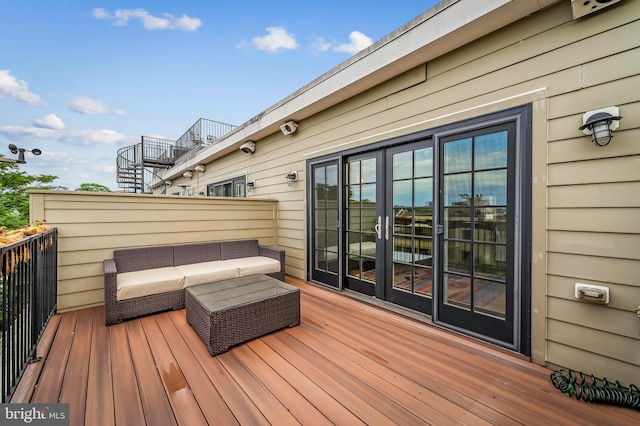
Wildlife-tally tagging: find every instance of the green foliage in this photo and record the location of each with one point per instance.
(93, 187)
(14, 200)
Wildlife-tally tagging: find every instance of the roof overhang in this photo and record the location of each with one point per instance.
(445, 27)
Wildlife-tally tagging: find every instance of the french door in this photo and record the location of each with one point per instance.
(409, 225)
(477, 279)
(389, 220)
(437, 225)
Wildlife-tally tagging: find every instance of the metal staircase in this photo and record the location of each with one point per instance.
(138, 165)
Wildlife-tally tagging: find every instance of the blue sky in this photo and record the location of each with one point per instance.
(80, 79)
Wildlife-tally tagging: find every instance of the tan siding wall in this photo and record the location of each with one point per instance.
(91, 226)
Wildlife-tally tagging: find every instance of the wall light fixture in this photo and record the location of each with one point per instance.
(289, 127)
(291, 177)
(600, 123)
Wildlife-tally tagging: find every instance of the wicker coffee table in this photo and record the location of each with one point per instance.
(233, 311)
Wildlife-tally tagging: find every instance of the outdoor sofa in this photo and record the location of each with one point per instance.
(141, 281)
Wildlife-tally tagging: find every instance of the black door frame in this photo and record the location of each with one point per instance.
(522, 115)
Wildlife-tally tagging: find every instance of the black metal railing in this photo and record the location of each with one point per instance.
(138, 165)
(28, 294)
(203, 132)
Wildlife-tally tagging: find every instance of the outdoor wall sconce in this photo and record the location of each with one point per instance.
(187, 174)
(289, 127)
(600, 123)
(249, 147)
(20, 151)
(250, 185)
(291, 177)
(200, 168)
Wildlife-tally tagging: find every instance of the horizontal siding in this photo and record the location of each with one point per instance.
(622, 246)
(604, 195)
(597, 317)
(91, 226)
(603, 269)
(577, 147)
(594, 341)
(591, 363)
(621, 296)
(612, 219)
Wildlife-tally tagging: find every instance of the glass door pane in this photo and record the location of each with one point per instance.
(475, 204)
(363, 213)
(325, 224)
(477, 280)
(410, 180)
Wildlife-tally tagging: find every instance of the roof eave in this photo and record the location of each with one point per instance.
(445, 27)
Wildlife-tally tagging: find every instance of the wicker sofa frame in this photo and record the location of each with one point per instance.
(137, 259)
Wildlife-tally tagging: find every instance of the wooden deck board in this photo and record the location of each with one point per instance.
(347, 363)
(126, 392)
(74, 384)
(53, 371)
(211, 403)
(152, 393)
(184, 405)
(100, 409)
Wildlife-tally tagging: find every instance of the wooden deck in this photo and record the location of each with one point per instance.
(347, 363)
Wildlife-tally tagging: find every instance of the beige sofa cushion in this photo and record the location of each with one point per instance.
(148, 281)
(255, 265)
(206, 272)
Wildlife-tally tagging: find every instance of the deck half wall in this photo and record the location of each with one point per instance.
(91, 225)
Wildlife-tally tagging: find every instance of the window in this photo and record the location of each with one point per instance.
(228, 188)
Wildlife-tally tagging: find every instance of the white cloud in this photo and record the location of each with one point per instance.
(50, 121)
(320, 45)
(12, 88)
(101, 13)
(277, 39)
(357, 42)
(86, 105)
(94, 137)
(71, 137)
(167, 21)
(20, 133)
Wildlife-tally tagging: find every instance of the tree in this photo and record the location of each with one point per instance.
(14, 200)
(93, 187)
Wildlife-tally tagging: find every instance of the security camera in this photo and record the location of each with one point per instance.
(248, 147)
(289, 127)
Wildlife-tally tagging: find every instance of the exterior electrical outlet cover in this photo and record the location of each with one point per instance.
(582, 8)
(592, 293)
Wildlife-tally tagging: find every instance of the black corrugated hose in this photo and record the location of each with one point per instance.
(597, 391)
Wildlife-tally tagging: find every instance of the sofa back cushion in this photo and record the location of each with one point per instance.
(188, 254)
(237, 249)
(137, 259)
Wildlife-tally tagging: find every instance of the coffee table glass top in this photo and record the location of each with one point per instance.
(233, 292)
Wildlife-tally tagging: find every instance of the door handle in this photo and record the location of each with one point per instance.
(378, 226)
(386, 228)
